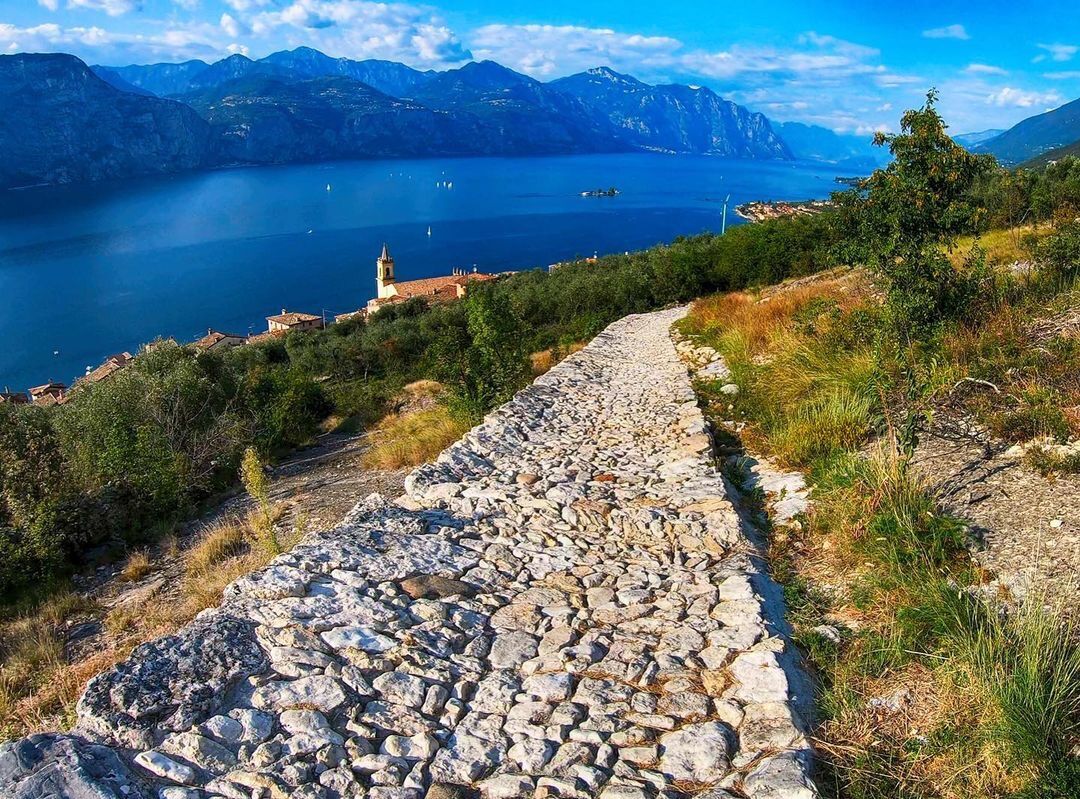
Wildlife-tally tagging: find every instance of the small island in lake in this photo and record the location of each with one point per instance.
(601, 192)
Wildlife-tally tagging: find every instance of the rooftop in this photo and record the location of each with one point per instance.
(213, 337)
(292, 317)
(428, 286)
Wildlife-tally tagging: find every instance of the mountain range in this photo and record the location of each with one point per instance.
(849, 151)
(1036, 139)
(62, 121)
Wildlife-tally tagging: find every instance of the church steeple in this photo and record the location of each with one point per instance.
(384, 273)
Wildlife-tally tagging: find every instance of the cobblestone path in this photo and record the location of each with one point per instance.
(563, 604)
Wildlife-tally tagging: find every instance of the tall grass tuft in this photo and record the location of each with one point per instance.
(413, 438)
(258, 488)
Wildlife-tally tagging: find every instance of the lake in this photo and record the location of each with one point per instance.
(87, 271)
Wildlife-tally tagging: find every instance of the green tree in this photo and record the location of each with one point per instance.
(902, 222)
(904, 219)
(494, 363)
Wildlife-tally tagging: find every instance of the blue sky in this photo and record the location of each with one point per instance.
(850, 66)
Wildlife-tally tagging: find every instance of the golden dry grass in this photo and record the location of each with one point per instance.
(1002, 246)
(542, 361)
(413, 438)
(137, 566)
(424, 388)
(757, 322)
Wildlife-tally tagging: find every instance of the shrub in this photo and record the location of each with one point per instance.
(1060, 251)
(262, 518)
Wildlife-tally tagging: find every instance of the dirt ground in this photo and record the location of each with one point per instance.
(1026, 527)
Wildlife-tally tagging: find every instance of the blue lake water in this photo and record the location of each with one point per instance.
(87, 271)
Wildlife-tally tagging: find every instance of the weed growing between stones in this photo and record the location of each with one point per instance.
(262, 517)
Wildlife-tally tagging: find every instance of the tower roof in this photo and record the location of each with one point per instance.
(385, 253)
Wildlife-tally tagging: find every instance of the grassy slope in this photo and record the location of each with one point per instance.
(926, 694)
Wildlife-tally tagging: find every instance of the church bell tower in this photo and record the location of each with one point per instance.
(384, 274)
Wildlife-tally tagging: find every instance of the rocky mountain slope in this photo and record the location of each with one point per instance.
(260, 120)
(524, 114)
(672, 118)
(61, 123)
(388, 77)
(302, 105)
(161, 79)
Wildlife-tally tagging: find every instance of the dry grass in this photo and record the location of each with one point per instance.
(226, 540)
(34, 681)
(413, 438)
(137, 566)
(1003, 246)
(753, 324)
(423, 388)
(39, 687)
(542, 361)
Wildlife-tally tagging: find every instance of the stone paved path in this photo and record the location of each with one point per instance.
(564, 604)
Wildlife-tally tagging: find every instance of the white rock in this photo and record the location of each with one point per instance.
(363, 638)
(695, 753)
(319, 691)
(165, 767)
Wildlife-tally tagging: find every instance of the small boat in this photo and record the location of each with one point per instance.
(450, 185)
(329, 187)
(429, 230)
(310, 231)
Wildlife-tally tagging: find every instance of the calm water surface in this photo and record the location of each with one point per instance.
(91, 270)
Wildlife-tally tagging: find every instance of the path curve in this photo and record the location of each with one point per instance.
(564, 604)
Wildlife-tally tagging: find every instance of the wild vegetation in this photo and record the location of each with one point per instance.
(40, 680)
(925, 688)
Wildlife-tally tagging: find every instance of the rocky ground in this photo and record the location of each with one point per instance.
(565, 604)
(1025, 527)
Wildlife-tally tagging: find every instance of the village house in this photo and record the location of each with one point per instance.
(109, 367)
(292, 320)
(13, 398)
(216, 340)
(433, 289)
(52, 393)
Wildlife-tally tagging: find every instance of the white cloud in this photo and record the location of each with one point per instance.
(229, 25)
(187, 5)
(245, 5)
(357, 29)
(553, 50)
(984, 69)
(97, 45)
(1020, 98)
(947, 32)
(1056, 52)
(1065, 74)
(114, 8)
(52, 5)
